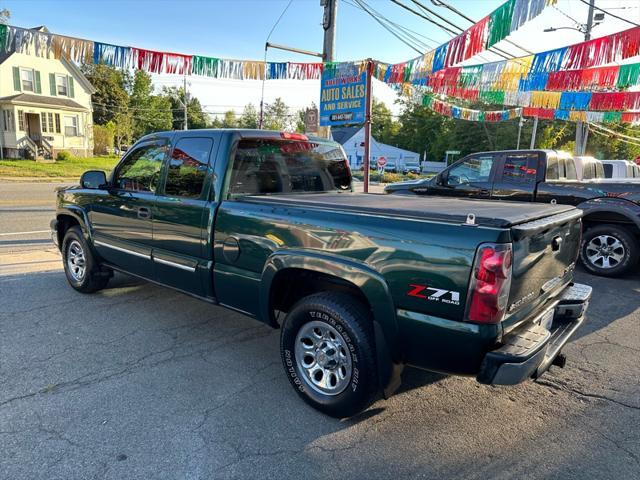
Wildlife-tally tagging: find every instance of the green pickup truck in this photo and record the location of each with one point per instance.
(267, 224)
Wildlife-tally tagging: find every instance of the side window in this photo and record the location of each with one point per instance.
(600, 170)
(520, 168)
(188, 167)
(473, 169)
(140, 170)
(608, 170)
(570, 167)
(552, 168)
(588, 171)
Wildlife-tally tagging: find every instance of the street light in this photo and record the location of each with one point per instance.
(581, 27)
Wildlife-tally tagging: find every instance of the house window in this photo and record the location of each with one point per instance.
(21, 120)
(50, 122)
(57, 123)
(7, 120)
(62, 85)
(71, 126)
(43, 121)
(26, 78)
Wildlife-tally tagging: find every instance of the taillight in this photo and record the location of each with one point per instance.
(294, 136)
(490, 283)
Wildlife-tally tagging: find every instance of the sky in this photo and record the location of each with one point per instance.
(239, 28)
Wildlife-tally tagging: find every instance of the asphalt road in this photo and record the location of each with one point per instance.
(141, 382)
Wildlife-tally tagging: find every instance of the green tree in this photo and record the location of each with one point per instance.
(230, 120)
(384, 127)
(196, 117)
(277, 117)
(110, 98)
(103, 138)
(249, 117)
(151, 113)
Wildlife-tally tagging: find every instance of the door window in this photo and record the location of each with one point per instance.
(552, 169)
(188, 167)
(520, 168)
(472, 170)
(139, 171)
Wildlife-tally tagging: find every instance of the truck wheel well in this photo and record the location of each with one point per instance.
(292, 284)
(599, 218)
(65, 222)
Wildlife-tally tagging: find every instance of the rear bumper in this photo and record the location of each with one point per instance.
(528, 352)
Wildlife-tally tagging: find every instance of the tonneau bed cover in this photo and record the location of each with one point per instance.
(487, 213)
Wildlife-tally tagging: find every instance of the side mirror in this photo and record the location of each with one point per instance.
(93, 179)
(441, 179)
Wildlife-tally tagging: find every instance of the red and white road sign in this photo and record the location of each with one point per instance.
(382, 162)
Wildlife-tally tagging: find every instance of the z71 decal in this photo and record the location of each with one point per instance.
(435, 294)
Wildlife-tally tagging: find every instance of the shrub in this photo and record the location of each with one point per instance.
(63, 155)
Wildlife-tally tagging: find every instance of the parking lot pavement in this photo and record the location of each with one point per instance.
(140, 382)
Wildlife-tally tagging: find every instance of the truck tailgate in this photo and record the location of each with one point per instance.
(544, 256)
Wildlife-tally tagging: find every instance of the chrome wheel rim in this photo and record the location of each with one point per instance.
(605, 251)
(76, 261)
(323, 358)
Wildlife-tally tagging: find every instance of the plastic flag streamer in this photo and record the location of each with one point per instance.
(49, 45)
(454, 111)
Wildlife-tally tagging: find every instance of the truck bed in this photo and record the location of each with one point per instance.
(488, 213)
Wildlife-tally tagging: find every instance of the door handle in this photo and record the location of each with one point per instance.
(484, 191)
(144, 213)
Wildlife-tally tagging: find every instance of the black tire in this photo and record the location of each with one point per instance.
(92, 279)
(623, 257)
(349, 318)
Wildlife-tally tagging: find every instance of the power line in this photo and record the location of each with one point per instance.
(406, 29)
(493, 49)
(445, 28)
(611, 14)
(441, 3)
(362, 5)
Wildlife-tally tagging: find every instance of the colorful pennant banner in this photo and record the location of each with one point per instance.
(579, 67)
(48, 45)
(547, 113)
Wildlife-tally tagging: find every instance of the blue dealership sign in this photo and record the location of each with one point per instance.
(343, 98)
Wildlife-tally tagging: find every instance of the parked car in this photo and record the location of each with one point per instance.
(611, 239)
(620, 169)
(266, 224)
(411, 167)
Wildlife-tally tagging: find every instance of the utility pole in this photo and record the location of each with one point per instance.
(520, 123)
(367, 128)
(329, 43)
(581, 131)
(185, 103)
(329, 25)
(533, 133)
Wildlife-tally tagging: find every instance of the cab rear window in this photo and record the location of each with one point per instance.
(274, 166)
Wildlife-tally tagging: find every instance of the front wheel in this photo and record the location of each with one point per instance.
(609, 250)
(328, 353)
(80, 265)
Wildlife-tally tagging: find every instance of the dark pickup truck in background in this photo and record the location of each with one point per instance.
(266, 224)
(611, 221)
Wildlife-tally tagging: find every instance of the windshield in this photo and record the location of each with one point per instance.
(274, 166)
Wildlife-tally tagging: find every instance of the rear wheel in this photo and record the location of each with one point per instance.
(609, 250)
(327, 350)
(80, 265)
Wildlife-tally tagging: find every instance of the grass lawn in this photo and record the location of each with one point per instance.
(71, 168)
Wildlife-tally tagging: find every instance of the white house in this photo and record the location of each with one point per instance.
(45, 107)
(352, 140)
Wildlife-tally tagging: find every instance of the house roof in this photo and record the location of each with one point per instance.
(42, 100)
(343, 134)
(70, 65)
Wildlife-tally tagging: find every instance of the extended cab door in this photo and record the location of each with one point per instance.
(181, 253)
(469, 177)
(516, 176)
(121, 217)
